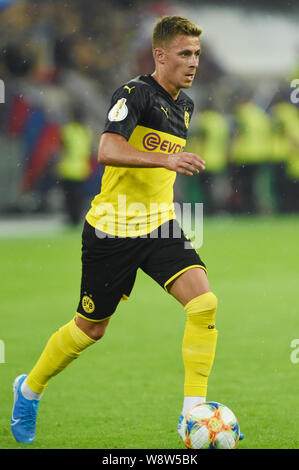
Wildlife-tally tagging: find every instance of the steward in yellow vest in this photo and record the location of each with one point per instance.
(210, 138)
(74, 165)
(75, 158)
(250, 147)
(285, 153)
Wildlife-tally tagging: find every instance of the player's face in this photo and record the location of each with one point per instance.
(181, 60)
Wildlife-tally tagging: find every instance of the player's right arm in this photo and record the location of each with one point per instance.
(128, 105)
(114, 150)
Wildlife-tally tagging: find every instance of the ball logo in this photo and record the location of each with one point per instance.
(88, 304)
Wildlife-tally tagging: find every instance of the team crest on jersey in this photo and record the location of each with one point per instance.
(187, 119)
(119, 111)
(88, 304)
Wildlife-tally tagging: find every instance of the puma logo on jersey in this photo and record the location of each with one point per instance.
(126, 87)
(165, 110)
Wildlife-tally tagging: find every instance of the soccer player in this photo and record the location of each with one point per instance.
(131, 224)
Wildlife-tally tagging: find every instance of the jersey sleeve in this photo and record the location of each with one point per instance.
(127, 106)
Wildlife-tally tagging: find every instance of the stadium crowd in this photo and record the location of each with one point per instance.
(56, 54)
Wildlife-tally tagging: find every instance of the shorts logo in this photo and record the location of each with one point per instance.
(119, 111)
(88, 304)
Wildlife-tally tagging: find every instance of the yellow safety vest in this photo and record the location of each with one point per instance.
(252, 143)
(210, 140)
(74, 161)
(285, 129)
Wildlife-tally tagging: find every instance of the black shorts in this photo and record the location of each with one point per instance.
(110, 264)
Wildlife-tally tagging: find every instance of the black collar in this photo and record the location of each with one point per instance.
(151, 81)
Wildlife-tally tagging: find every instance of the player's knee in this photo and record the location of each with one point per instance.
(211, 302)
(95, 330)
(205, 303)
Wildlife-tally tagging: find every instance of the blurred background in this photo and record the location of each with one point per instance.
(61, 62)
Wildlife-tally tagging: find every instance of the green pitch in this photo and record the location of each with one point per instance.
(126, 391)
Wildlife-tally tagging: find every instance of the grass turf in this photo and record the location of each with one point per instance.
(125, 392)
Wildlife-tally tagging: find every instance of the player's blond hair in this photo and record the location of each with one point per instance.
(168, 27)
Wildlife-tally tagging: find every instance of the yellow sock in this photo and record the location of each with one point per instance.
(199, 343)
(63, 347)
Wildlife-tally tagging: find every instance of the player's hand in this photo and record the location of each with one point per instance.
(185, 163)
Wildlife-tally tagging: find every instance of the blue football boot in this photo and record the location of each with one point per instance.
(24, 412)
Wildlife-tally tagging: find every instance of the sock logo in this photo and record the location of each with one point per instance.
(88, 304)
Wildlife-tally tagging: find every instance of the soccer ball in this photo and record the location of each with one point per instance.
(210, 425)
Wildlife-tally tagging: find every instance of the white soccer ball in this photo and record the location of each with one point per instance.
(210, 425)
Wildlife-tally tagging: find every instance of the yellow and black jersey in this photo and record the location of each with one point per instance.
(135, 201)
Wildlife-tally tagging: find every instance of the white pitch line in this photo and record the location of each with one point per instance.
(30, 226)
